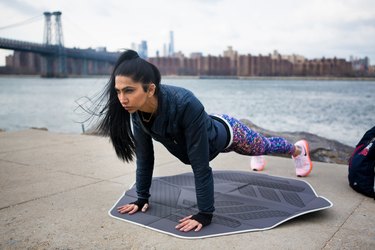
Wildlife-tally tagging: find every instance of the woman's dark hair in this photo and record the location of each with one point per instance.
(116, 120)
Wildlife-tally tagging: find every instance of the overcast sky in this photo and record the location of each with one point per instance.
(312, 28)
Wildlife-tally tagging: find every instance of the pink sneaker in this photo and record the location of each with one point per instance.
(303, 162)
(257, 163)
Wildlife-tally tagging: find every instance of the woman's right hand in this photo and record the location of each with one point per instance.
(131, 208)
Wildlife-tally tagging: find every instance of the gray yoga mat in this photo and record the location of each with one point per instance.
(244, 202)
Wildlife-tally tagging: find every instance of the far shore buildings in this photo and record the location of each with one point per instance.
(233, 64)
(229, 64)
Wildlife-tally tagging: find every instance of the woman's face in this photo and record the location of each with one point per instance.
(132, 95)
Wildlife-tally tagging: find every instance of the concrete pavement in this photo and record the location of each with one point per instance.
(56, 190)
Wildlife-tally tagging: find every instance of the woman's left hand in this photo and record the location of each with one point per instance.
(187, 224)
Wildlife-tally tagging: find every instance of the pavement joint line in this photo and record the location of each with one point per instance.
(61, 171)
(31, 165)
(80, 175)
(15, 162)
(96, 178)
(30, 148)
(121, 175)
(49, 195)
(342, 224)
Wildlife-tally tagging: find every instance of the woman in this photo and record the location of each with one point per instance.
(176, 118)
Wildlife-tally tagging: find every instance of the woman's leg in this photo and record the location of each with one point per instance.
(248, 142)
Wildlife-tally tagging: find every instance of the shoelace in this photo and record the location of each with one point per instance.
(301, 160)
(259, 160)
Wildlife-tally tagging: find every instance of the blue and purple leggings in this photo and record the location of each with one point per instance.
(246, 141)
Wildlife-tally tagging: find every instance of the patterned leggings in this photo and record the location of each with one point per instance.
(248, 142)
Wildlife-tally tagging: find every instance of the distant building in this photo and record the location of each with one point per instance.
(371, 70)
(179, 54)
(291, 58)
(196, 55)
(233, 64)
(233, 56)
(360, 65)
(171, 44)
(25, 63)
(143, 50)
(101, 49)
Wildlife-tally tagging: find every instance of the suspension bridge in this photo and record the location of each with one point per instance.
(55, 58)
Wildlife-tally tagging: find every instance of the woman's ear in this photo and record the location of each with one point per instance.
(151, 89)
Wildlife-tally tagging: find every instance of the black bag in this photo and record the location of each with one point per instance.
(362, 165)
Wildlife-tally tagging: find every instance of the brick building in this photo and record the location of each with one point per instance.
(233, 64)
(24, 63)
(229, 64)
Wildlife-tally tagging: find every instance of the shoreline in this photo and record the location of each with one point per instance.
(321, 149)
(275, 78)
(87, 131)
(204, 77)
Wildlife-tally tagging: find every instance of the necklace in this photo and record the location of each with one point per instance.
(149, 119)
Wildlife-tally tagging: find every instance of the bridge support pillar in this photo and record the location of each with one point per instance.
(54, 65)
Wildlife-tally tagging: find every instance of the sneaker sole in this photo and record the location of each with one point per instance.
(261, 168)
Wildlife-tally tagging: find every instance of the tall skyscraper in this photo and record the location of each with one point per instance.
(171, 44)
(143, 50)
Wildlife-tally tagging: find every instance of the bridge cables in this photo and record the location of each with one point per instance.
(25, 22)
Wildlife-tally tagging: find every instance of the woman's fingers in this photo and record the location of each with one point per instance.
(188, 224)
(131, 208)
(134, 210)
(128, 208)
(145, 207)
(199, 227)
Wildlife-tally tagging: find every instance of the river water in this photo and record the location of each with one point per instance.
(340, 110)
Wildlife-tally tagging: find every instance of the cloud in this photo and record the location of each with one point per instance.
(311, 28)
(21, 6)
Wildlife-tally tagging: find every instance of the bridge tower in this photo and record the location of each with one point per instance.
(47, 28)
(53, 34)
(58, 28)
(54, 66)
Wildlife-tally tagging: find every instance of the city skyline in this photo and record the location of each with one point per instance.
(313, 29)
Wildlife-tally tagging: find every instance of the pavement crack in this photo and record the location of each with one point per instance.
(80, 175)
(15, 162)
(342, 224)
(16, 150)
(50, 195)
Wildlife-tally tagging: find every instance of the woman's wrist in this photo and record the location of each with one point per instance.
(140, 202)
(203, 218)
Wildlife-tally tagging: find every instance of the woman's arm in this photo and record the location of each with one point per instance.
(144, 151)
(145, 165)
(194, 120)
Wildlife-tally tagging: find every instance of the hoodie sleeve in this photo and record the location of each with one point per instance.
(197, 144)
(144, 151)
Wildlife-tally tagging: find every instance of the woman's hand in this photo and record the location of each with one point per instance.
(131, 208)
(187, 224)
